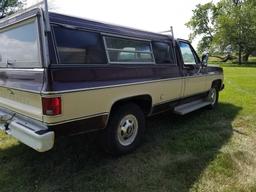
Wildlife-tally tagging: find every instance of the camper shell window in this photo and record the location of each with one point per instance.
(19, 45)
(163, 53)
(79, 47)
(121, 50)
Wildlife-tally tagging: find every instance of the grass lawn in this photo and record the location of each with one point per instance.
(234, 63)
(208, 150)
(252, 59)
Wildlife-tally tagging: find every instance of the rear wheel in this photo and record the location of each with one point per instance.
(125, 129)
(213, 97)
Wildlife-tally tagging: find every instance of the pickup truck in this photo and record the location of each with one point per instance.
(63, 75)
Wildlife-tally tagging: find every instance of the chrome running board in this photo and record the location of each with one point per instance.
(192, 106)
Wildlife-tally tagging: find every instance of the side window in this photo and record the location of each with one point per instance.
(187, 54)
(122, 50)
(79, 47)
(162, 53)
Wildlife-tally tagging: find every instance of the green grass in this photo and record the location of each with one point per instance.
(252, 59)
(208, 150)
(234, 63)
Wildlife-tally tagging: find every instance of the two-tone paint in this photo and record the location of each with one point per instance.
(89, 92)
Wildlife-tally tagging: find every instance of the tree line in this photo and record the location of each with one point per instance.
(8, 7)
(227, 24)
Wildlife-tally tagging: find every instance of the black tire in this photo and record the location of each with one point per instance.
(214, 102)
(111, 135)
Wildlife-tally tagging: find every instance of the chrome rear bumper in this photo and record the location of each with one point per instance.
(30, 132)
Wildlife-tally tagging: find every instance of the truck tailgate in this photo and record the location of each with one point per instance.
(20, 91)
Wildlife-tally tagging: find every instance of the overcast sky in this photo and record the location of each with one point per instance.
(154, 15)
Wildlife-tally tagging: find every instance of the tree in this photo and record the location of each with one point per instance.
(203, 24)
(236, 26)
(8, 7)
(228, 24)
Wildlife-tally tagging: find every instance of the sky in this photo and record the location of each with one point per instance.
(154, 15)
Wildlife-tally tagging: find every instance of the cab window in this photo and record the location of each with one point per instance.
(187, 54)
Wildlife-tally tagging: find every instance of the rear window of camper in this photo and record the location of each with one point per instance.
(19, 46)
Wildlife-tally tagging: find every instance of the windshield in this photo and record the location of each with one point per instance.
(19, 46)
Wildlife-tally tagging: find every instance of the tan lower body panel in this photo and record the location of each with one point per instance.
(22, 102)
(87, 103)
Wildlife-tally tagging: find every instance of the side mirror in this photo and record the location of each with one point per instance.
(205, 58)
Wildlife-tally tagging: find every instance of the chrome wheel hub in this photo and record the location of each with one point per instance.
(127, 130)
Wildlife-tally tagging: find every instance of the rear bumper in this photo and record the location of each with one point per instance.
(30, 132)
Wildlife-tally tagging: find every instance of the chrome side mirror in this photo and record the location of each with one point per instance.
(205, 58)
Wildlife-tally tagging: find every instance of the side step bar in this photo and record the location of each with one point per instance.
(192, 106)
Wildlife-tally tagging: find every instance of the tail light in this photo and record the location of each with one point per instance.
(51, 106)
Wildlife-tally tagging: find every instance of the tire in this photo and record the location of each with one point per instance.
(125, 129)
(213, 97)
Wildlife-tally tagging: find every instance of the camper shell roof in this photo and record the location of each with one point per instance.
(105, 28)
(80, 23)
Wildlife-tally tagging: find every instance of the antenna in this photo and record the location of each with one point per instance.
(174, 45)
(47, 22)
(173, 39)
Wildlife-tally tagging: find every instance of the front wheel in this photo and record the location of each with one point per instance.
(125, 129)
(213, 97)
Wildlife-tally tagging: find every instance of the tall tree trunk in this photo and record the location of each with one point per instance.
(240, 55)
(246, 57)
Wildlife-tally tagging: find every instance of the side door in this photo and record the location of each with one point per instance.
(167, 68)
(194, 75)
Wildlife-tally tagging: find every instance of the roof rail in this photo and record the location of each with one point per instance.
(173, 41)
(170, 31)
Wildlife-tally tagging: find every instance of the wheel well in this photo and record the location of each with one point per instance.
(143, 101)
(217, 83)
